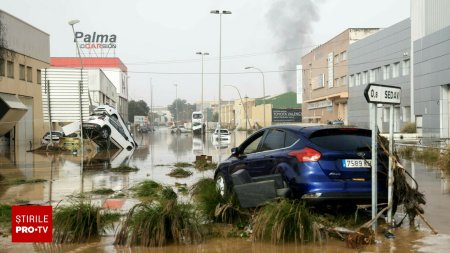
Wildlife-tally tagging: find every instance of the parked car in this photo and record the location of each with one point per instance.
(319, 164)
(221, 135)
(55, 136)
(179, 130)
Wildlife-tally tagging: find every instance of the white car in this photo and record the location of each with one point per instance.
(55, 136)
(221, 135)
(179, 130)
(105, 126)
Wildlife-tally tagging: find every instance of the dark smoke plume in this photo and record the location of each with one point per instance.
(291, 23)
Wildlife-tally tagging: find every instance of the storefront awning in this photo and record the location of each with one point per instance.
(11, 111)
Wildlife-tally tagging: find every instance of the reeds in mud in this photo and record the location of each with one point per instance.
(213, 207)
(124, 169)
(179, 173)
(80, 221)
(284, 221)
(160, 222)
(147, 189)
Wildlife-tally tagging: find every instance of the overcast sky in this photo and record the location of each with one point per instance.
(157, 40)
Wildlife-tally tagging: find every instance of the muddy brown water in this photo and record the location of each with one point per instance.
(155, 158)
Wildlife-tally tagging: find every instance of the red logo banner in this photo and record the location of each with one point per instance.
(31, 223)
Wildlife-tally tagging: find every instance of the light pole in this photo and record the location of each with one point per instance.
(203, 116)
(72, 23)
(176, 102)
(264, 90)
(245, 108)
(220, 59)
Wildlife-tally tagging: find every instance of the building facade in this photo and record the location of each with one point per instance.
(24, 53)
(113, 68)
(382, 58)
(62, 90)
(430, 33)
(324, 77)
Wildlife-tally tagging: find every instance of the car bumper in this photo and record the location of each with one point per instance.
(328, 191)
(359, 198)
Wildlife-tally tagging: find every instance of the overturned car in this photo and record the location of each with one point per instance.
(105, 126)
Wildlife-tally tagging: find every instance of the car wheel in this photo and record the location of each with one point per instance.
(104, 133)
(221, 185)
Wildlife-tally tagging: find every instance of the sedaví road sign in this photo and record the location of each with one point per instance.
(382, 94)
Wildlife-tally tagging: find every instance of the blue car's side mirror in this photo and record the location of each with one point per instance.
(234, 151)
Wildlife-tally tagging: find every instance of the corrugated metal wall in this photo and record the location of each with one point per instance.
(428, 16)
(64, 94)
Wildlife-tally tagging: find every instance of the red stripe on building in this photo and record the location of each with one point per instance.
(90, 62)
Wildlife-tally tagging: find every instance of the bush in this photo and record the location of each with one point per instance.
(179, 173)
(159, 223)
(203, 165)
(103, 191)
(124, 169)
(444, 161)
(406, 152)
(5, 214)
(213, 207)
(427, 155)
(80, 222)
(284, 221)
(409, 128)
(147, 189)
(182, 165)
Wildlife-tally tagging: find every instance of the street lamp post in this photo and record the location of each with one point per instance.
(72, 23)
(176, 102)
(245, 108)
(220, 59)
(264, 90)
(202, 54)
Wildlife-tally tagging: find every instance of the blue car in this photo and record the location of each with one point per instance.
(319, 164)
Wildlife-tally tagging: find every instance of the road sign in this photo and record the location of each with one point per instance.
(382, 94)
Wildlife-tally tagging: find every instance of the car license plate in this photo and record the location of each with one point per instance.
(355, 163)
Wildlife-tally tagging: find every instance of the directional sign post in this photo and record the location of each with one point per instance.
(382, 94)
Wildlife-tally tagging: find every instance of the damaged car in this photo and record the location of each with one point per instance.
(105, 126)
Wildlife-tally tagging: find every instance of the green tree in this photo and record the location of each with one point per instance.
(184, 110)
(137, 108)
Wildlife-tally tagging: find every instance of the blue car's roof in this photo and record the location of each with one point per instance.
(308, 130)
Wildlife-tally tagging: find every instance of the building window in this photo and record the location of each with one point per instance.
(2, 67)
(396, 70)
(358, 79)
(386, 72)
(38, 76)
(351, 81)
(343, 80)
(336, 59)
(372, 75)
(10, 69)
(29, 74)
(344, 56)
(365, 78)
(405, 67)
(22, 72)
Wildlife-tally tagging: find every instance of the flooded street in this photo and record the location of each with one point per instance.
(155, 158)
